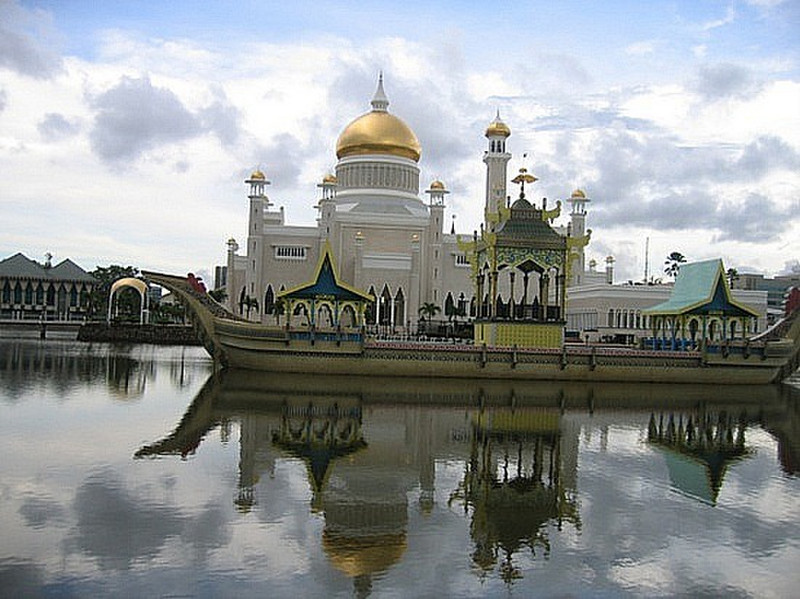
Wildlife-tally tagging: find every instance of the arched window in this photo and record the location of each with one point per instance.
(399, 309)
(269, 301)
(449, 306)
(611, 318)
(348, 317)
(369, 314)
(384, 312)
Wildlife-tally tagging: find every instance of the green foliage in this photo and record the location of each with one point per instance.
(672, 264)
(732, 275)
(219, 295)
(429, 310)
(247, 304)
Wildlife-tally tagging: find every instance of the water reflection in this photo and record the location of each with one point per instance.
(67, 366)
(699, 448)
(520, 477)
(371, 448)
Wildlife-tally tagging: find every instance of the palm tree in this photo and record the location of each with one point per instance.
(279, 309)
(673, 264)
(429, 309)
(249, 303)
(733, 275)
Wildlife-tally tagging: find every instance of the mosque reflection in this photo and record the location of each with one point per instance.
(371, 448)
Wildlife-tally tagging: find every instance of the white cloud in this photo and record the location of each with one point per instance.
(147, 142)
(641, 48)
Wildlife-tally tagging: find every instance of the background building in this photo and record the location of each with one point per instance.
(29, 290)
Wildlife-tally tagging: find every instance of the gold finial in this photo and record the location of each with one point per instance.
(523, 178)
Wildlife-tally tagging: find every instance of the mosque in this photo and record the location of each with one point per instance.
(511, 279)
(386, 239)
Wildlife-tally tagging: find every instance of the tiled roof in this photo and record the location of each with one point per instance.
(526, 224)
(325, 282)
(68, 270)
(701, 287)
(20, 266)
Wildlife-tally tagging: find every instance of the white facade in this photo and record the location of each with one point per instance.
(599, 312)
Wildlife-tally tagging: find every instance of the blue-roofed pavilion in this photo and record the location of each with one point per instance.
(325, 301)
(701, 308)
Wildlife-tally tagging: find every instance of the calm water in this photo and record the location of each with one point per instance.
(132, 471)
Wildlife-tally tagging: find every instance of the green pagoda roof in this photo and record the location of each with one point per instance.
(701, 288)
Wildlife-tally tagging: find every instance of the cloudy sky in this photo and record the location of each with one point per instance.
(127, 129)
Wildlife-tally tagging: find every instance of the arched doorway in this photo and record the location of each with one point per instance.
(138, 285)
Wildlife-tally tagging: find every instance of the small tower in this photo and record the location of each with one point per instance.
(326, 207)
(231, 284)
(259, 203)
(610, 269)
(496, 159)
(436, 193)
(579, 234)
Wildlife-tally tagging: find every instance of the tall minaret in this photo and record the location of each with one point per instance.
(496, 159)
(259, 203)
(577, 230)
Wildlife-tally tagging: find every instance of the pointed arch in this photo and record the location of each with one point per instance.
(449, 305)
(385, 306)
(370, 314)
(269, 300)
(399, 308)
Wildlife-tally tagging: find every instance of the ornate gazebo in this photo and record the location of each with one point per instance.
(325, 302)
(700, 309)
(519, 271)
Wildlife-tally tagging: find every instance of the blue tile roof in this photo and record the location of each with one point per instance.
(326, 283)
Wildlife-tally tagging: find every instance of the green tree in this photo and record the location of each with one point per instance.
(429, 310)
(219, 295)
(732, 275)
(672, 264)
(249, 303)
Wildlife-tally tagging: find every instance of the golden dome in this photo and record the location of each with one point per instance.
(438, 185)
(497, 128)
(257, 175)
(329, 178)
(356, 556)
(578, 194)
(378, 132)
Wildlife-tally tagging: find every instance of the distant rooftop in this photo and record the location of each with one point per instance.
(20, 266)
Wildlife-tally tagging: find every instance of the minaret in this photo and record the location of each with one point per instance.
(577, 229)
(327, 210)
(496, 159)
(436, 193)
(259, 203)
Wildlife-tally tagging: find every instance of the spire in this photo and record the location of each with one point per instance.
(379, 101)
